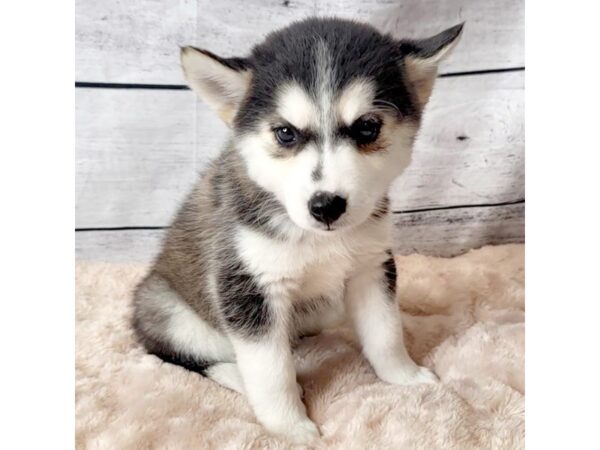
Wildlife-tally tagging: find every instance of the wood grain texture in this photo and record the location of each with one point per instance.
(471, 148)
(137, 42)
(118, 246)
(493, 36)
(132, 41)
(436, 233)
(455, 231)
(138, 151)
(137, 154)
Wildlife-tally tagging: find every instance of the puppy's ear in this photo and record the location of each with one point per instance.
(220, 82)
(421, 59)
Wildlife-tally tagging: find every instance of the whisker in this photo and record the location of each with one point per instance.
(385, 105)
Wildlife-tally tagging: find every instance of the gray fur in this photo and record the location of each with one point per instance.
(198, 267)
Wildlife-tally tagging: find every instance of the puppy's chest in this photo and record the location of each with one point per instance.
(309, 269)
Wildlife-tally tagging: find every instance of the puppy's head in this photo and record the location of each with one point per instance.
(324, 113)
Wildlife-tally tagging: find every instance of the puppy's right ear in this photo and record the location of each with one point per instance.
(220, 82)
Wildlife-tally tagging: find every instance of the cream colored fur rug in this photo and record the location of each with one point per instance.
(464, 318)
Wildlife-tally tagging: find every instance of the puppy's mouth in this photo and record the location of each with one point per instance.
(322, 228)
(329, 227)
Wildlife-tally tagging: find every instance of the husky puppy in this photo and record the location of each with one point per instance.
(289, 230)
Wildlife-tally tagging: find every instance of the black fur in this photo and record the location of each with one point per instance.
(356, 50)
(195, 365)
(426, 48)
(197, 238)
(232, 63)
(389, 269)
(162, 350)
(252, 205)
(382, 208)
(317, 173)
(242, 301)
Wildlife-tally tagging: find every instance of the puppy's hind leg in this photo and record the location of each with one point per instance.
(170, 329)
(226, 374)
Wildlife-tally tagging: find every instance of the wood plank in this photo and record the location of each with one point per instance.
(132, 41)
(455, 231)
(437, 233)
(136, 154)
(471, 148)
(137, 42)
(493, 37)
(118, 246)
(138, 151)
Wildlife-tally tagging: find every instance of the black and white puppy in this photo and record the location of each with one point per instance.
(289, 230)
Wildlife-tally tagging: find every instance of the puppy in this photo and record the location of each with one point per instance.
(289, 230)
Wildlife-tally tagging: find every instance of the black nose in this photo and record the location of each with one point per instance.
(326, 207)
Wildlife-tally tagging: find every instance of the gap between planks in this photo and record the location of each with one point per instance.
(434, 233)
(183, 87)
(413, 211)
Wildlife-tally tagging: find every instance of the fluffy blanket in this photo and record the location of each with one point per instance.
(464, 318)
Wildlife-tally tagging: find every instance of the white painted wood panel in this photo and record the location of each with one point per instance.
(136, 154)
(438, 233)
(471, 148)
(137, 42)
(451, 232)
(138, 150)
(132, 41)
(493, 37)
(118, 246)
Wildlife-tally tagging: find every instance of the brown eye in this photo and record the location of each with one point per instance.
(286, 136)
(365, 131)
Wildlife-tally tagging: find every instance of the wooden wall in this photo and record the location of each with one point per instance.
(142, 136)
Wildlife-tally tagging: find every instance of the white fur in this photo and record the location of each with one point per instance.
(310, 266)
(189, 333)
(267, 368)
(319, 265)
(363, 179)
(296, 107)
(342, 265)
(313, 264)
(228, 375)
(324, 81)
(378, 325)
(221, 87)
(355, 100)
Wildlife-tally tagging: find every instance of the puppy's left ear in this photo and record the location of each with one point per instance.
(220, 82)
(422, 57)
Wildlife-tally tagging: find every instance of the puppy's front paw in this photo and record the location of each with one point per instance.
(304, 432)
(424, 376)
(411, 375)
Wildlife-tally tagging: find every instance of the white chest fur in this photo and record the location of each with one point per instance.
(315, 264)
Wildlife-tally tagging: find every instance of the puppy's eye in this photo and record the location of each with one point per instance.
(365, 131)
(286, 136)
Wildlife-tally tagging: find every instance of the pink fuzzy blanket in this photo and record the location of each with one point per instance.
(464, 318)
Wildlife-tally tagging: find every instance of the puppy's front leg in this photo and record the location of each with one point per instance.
(376, 318)
(267, 368)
